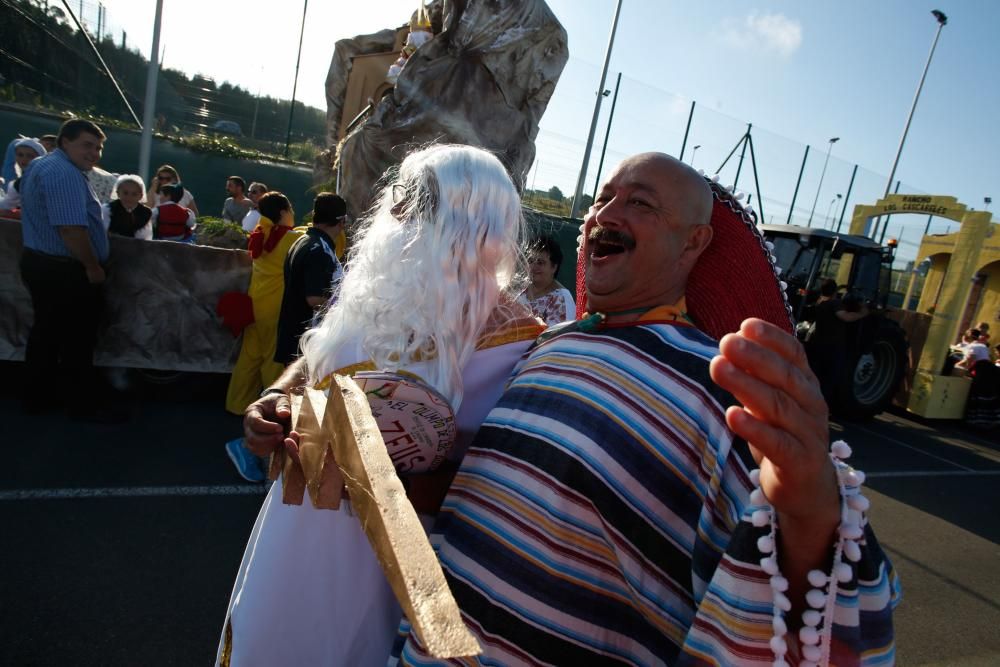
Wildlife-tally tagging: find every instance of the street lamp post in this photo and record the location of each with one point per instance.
(694, 151)
(149, 103)
(942, 22)
(986, 202)
(829, 149)
(295, 83)
(829, 209)
(575, 209)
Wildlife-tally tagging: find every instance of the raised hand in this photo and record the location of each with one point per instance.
(784, 419)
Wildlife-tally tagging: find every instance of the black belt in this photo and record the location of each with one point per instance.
(59, 259)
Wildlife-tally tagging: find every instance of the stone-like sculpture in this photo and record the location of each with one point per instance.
(484, 79)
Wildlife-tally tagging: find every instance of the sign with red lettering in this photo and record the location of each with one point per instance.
(416, 422)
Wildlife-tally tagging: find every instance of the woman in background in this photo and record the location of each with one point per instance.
(167, 175)
(545, 296)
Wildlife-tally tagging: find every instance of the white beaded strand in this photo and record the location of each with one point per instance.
(817, 621)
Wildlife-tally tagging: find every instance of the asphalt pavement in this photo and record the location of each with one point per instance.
(120, 543)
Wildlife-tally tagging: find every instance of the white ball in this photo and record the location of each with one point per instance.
(760, 518)
(765, 544)
(841, 449)
(779, 583)
(812, 618)
(843, 572)
(817, 578)
(858, 502)
(809, 636)
(779, 625)
(816, 598)
(851, 531)
(779, 646)
(769, 565)
(852, 551)
(812, 653)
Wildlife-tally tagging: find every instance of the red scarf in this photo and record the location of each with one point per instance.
(258, 245)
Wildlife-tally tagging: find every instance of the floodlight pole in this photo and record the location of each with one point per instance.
(846, 197)
(295, 84)
(822, 174)
(942, 22)
(575, 210)
(149, 103)
(607, 135)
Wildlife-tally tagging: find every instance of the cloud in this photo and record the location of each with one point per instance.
(767, 32)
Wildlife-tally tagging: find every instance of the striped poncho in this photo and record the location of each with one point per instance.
(601, 517)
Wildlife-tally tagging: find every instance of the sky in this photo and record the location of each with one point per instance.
(800, 72)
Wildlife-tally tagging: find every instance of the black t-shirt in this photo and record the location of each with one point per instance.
(311, 269)
(830, 329)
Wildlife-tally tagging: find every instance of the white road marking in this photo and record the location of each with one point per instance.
(970, 442)
(932, 473)
(135, 492)
(916, 449)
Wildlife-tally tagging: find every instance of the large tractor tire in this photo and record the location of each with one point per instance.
(874, 369)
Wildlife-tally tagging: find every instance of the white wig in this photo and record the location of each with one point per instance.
(129, 178)
(426, 272)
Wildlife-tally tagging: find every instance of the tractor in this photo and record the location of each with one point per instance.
(877, 351)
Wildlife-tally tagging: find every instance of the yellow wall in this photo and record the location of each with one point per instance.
(935, 274)
(989, 304)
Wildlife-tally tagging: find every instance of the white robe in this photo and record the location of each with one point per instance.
(309, 590)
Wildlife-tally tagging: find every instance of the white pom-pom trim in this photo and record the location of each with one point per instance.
(815, 634)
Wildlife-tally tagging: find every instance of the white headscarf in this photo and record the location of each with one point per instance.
(33, 144)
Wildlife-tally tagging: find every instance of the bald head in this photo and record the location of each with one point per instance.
(649, 224)
(691, 195)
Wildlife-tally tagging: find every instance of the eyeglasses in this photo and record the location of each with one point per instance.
(164, 177)
(398, 193)
(413, 196)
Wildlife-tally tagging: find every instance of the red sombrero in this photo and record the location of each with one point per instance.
(735, 277)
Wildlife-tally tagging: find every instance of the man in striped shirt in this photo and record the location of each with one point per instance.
(62, 265)
(603, 514)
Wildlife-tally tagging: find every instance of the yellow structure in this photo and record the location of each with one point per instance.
(963, 284)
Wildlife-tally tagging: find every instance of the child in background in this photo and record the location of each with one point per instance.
(171, 221)
(126, 215)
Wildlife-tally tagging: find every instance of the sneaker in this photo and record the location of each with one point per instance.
(248, 465)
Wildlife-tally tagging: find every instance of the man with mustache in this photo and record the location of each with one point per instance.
(622, 502)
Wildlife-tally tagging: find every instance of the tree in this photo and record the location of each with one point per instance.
(555, 193)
